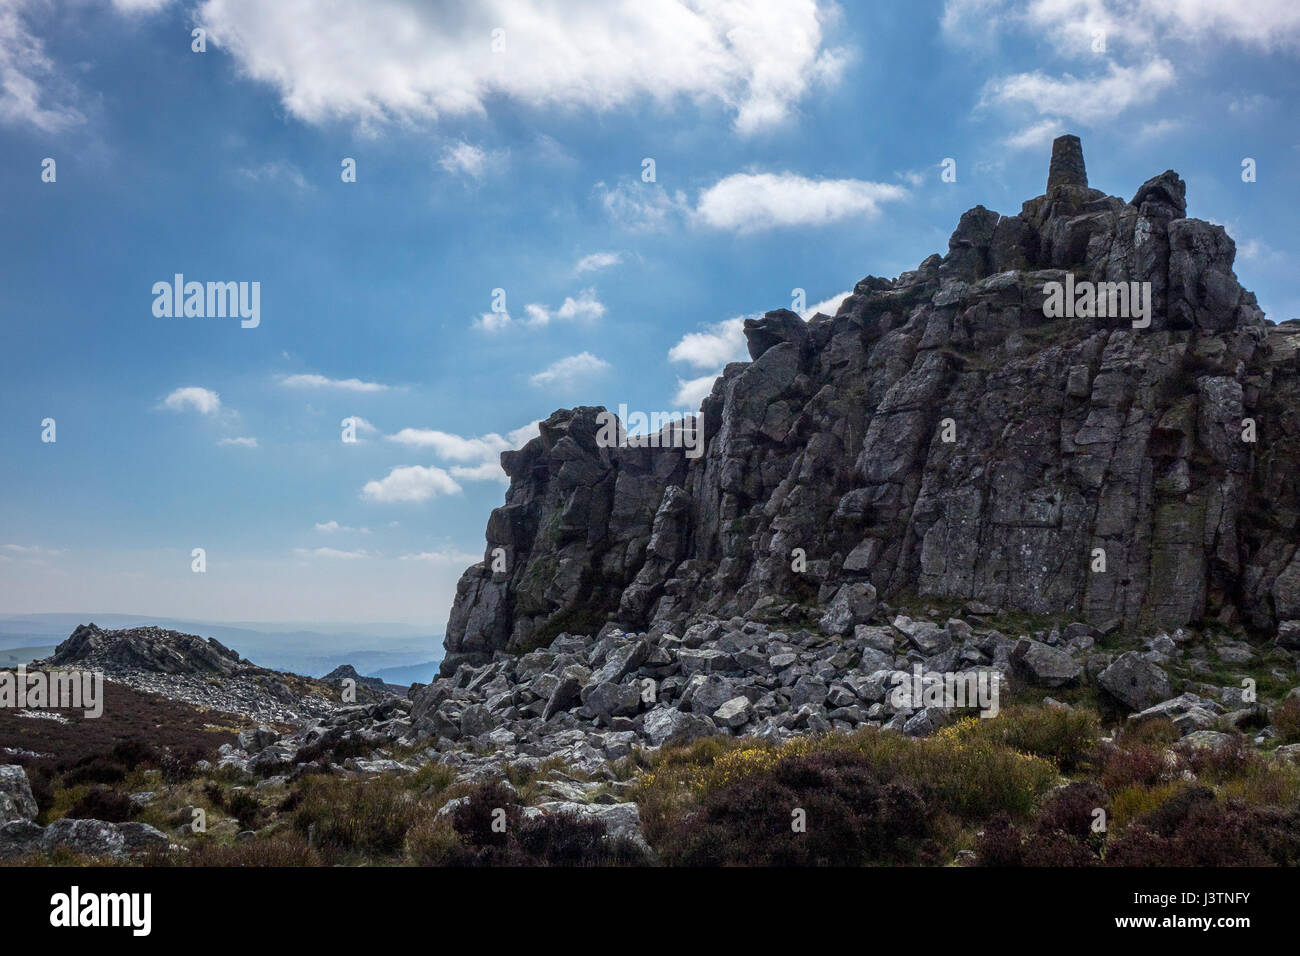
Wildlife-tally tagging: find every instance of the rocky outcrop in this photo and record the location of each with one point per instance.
(942, 436)
(200, 671)
(149, 648)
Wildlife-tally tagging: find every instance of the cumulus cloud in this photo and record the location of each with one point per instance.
(404, 60)
(826, 306)
(410, 483)
(479, 458)
(339, 384)
(487, 471)
(569, 372)
(748, 202)
(522, 435)
(452, 447)
(721, 343)
(598, 260)
(584, 307)
(691, 392)
(239, 442)
(202, 400)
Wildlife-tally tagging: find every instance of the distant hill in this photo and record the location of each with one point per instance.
(24, 655)
(411, 674)
(308, 648)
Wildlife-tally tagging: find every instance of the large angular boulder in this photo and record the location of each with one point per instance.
(1135, 682)
(669, 725)
(16, 800)
(1044, 665)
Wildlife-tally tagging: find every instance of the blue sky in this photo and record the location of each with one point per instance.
(796, 145)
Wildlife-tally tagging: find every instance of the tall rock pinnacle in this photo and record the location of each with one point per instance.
(1067, 167)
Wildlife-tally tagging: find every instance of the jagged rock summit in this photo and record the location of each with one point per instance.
(942, 436)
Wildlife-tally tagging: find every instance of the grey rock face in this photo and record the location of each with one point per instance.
(941, 435)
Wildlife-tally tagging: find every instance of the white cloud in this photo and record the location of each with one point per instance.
(1035, 135)
(1143, 38)
(598, 260)
(404, 60)
(466, 159)
(341, 384)
(332, 553)
(454, 558)
(642, 207)
(748, 202)
(32, 550)
(690, 393)
(571, 371)
(239, 442)
(362, 426)
(488, 471)
(452, 447)
(522, 435)
(1129, 25)
(826, 306)
(333, 527)
(723, 342)
(278, 171)
(139, 6)
(584, 307)
(32, 93)
(493, 321)
(202, 400)
(481, 456)
(1158, 128)
(1088, 99)
(410, 483)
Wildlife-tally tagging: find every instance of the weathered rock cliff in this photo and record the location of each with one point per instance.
(1067, 435)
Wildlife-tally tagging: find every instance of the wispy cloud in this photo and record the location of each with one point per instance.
(598, 260)
(338, 384)
(465, 159)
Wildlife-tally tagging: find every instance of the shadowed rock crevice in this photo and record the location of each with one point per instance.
(1069, 435)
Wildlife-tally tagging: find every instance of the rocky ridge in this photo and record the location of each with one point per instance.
(200, 671)
(1068, 436)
